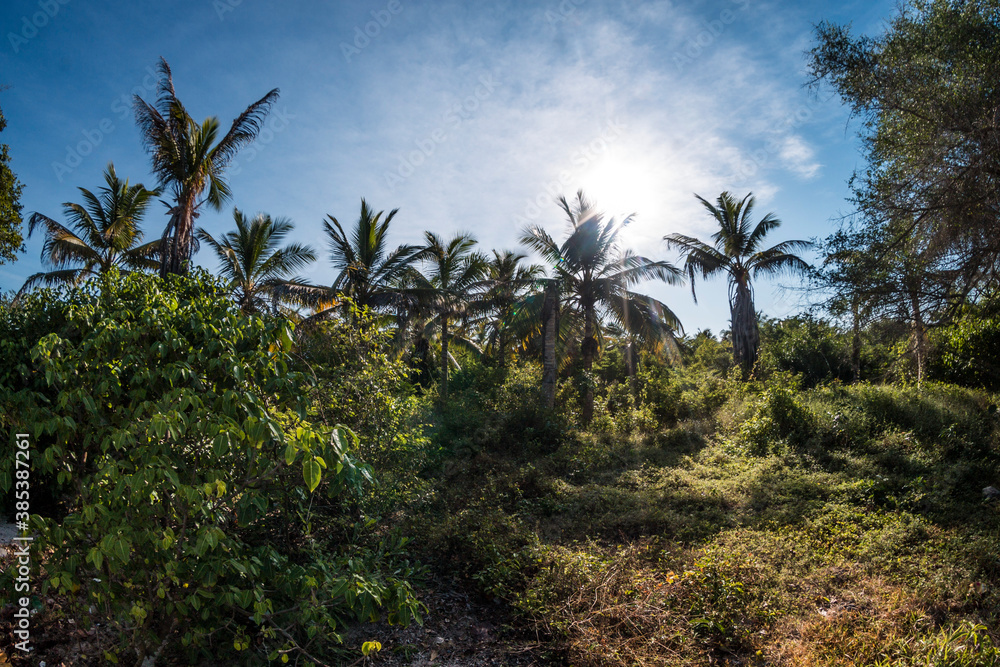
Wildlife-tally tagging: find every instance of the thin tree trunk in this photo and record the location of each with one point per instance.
(589, 348)
(444, 358)
(855, 341)
(919, 336)
(550, 312)
(630, 363)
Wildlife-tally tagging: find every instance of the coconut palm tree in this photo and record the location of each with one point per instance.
(190, 160)
(103, 233)
(258, 270)
(595, 274)
(367, 270)
(737, 253)
(508, 283)
(456, 274)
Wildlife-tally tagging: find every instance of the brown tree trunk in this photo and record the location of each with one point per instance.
(177, 242)
(919, 336)
(589, 350)
(444, 358)
(746, 337)
(550, 312)
(855, 342)
(631, 364)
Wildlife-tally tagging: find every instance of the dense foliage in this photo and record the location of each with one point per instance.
(10, 205)
(185, 464)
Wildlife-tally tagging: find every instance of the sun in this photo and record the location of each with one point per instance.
(621, 184)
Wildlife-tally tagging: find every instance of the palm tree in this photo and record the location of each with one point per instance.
(456, 273)
(250, 258)
(736, 252)
(595, 275)
(189, 161)
(367, 270)
(103, 233)
(509, 281)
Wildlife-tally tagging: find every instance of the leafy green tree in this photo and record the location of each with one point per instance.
(970, 346)
(872, 274)
(190, 161)
(924, 91)
(258, 270)
(180, 439)
(103, 233)
(11, 241)
(736, 252)
(812, 348)
(595, 274)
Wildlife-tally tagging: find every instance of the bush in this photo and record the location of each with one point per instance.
(809, 347)
(186, 465)
(775, 419)
(969, 350)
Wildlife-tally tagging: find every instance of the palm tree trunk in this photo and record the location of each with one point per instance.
(550, 312)
(630, 363)
(589, 348)
(176, 246)
(746, 337)
(444, 358)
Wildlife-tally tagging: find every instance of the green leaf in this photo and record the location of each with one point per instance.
(312, 474)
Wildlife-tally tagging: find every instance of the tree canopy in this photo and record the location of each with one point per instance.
(11, 241)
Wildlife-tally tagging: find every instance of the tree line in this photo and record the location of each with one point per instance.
(444, 290)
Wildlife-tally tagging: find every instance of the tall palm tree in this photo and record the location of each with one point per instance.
(737, 253)
(250, 258)
(456, 273)
(509, 280)
(189, 161)
(367, 270)
(595, 275)
(103, 233)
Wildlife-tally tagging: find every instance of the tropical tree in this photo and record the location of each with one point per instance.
(509, 281)
(595, 275)
(103, 232)
(737, 253)
(368, 272)
(190, 160)
(258, 269)
(456, 273)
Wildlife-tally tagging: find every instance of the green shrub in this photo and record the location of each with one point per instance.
(179, 442)
(809, 347)
(776, 418)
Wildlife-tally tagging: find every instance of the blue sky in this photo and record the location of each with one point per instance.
(465, 116)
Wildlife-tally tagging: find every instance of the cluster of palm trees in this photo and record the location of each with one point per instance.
(444, 289)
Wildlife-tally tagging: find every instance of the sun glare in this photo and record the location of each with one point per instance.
(620, 185)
